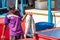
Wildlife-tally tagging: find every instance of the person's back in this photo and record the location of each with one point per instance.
(14, 24)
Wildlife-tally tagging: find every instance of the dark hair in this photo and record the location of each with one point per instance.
(17, 13)
(11, 7)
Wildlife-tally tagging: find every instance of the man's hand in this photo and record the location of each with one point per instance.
(29, 13)
(26, 13)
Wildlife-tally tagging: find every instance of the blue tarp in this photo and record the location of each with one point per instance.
(43, 25)
(53, 33)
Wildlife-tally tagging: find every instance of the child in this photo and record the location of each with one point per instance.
(13, 19)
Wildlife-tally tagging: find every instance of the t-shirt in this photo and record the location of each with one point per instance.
(14, 22)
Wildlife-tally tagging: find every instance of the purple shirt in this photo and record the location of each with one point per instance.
(14, 23)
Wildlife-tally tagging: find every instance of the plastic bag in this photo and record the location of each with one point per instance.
(29, 24)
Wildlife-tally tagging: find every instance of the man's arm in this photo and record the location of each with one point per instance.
(28, 13)
(23, 18)
(4, 29)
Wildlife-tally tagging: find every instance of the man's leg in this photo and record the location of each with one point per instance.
(12, 37)
(21, 36)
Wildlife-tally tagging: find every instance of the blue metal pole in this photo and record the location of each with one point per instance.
(23, 4)
(49, 12)
(22, 8)
(3, 3)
